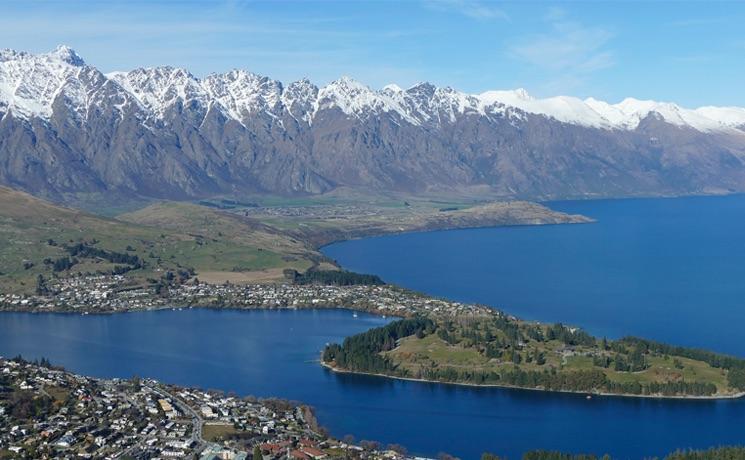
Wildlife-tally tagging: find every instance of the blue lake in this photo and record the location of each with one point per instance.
(668, 269)
(274, 353)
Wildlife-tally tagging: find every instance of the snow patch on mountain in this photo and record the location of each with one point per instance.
(29, 83)
(300, 99)
(634, 111)
(243, 93)
(159, 88)
(728, 116)
(562, 108)
(356, 99)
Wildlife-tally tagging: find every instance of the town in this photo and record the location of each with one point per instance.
(47, 412)
(110, 293)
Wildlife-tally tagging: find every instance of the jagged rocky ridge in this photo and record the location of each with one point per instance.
(66, 128)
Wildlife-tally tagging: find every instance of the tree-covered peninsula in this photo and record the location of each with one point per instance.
(495, 349)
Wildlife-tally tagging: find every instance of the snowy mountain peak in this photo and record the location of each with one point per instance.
(299, 98)
(68, 55)
(158, 88)
(632, 105)
(7, 54)
(242, 93)
(522, 93)
(630, 112)
(30, 83)
(347, 81)
(347, 94)
(346, 86)
(304, 85)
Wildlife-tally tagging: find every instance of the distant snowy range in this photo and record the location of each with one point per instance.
(69, 130)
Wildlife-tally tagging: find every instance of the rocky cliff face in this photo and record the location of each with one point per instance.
(67, 128)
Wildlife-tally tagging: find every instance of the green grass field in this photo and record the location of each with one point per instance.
(213, 432)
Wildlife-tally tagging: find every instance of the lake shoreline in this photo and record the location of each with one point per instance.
(580, 220)
(513, 387)
(733, 396)
(383, 314)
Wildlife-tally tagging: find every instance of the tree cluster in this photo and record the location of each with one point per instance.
(569, 336)
(332, 277)
(361, 352)
(552, 455)
(62, 263)
(717, 453)
(83, 250)
(713, 359)
(27, 405)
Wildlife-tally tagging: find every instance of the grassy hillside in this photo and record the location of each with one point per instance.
(163, 236)
(232, 246)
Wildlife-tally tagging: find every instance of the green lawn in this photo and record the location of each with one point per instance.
(215, 432)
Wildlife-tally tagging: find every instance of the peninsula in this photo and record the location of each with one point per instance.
(489, 348)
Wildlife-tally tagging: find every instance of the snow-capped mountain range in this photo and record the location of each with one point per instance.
(238, 131)
(29, 84)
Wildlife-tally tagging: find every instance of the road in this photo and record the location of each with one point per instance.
(196, 419)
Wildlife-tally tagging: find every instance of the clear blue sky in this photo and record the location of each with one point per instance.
(692, 53)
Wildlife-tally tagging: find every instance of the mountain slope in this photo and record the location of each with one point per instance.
(67, 130)
(231, 247)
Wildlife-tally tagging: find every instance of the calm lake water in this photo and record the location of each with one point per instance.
(273, 353)
(669, 269)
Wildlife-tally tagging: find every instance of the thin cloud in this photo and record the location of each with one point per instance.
(470, 8)
(204, 40)
(698, 22)
(219, 37)
(694, 59)
(570, 51)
